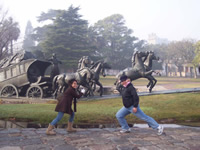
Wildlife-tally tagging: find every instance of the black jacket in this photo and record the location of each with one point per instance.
(129, 96)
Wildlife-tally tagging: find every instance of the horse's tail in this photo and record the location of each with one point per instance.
(54, 85)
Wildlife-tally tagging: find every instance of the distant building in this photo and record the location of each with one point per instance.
(154, 39)
(185, 70)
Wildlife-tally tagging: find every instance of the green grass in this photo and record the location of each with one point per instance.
(179, 107)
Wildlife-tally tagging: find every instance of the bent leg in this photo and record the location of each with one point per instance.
(57, 119)
(120, 115)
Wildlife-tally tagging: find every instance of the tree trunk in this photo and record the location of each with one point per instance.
(195, 72)
(11, 47)
(166, 69)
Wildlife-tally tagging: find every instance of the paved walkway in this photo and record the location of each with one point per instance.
(140, 138)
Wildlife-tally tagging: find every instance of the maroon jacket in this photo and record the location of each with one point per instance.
(65, 104)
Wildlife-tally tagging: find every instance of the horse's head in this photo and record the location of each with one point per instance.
(152, 56)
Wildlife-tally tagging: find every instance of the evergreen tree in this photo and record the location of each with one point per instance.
(66, 36)
(28, 43)
(114, 41)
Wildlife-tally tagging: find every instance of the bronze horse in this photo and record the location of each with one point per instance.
(142, 69)
(97, 69)
(148, 63)
(83, 77)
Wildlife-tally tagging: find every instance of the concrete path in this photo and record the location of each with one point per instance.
(140, 138)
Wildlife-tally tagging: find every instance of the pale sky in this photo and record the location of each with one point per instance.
(171, 19)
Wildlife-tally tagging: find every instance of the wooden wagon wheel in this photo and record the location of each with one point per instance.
(9, 90)
(34, 92)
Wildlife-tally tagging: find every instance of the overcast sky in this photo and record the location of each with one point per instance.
(171, 19)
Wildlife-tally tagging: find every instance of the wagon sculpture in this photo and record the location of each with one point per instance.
(26, 78)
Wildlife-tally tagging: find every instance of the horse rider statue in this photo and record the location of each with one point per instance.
(55, 68)
(85, 61)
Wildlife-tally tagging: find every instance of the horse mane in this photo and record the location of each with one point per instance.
(96, 63)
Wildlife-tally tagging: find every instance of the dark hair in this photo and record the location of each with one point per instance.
(71, 81)
(123, 78)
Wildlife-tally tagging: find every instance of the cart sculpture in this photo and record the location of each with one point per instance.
(26, 78)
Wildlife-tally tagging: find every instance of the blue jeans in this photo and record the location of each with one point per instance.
(139, 114)
(59, 117)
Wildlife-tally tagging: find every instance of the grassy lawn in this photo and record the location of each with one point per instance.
(180, 108)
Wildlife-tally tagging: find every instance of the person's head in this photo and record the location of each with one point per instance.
(53, 55)
(124, 79)
(73, 83)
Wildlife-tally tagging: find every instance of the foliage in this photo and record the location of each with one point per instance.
(9, 32)
(114, 41)
(196, 60)
(28, 42)
(66, 35)
(176, 52)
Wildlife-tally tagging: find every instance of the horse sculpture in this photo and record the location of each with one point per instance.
(142, 68)
(97, 69)
(85, 61)
(83, 77)
(148, 63)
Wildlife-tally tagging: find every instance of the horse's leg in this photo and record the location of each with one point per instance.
(87, 85)
(101, 87)
(55, 93)
(158, 73)
(93, 85)
(150, 82)
(154, 81)
(147, 73)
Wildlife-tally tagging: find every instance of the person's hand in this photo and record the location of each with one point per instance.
(83, 91)
(134, 109)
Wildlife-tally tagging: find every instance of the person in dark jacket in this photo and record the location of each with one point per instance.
(65, 106)
(131, 105)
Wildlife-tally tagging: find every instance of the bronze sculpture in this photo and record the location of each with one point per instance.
(86, 77)
(85, 61)
(55, 68)
(142, 68)
(60, 81)
(97, 69)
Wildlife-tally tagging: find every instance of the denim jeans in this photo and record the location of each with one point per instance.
(120, 115)
(59, 117)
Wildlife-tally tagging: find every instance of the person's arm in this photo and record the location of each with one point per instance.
(75, 95)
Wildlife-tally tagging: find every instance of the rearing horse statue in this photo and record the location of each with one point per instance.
(138, 71)
(148, 63)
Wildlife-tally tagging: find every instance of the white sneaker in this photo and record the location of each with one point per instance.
(125, 130)
(160, 130)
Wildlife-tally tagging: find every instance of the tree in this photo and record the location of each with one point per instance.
(9, 32)
(114, 41)
(196, 60)
(67, 36)
(183, 52)
(28, 42)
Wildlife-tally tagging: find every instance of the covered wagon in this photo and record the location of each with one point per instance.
(26, 78)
